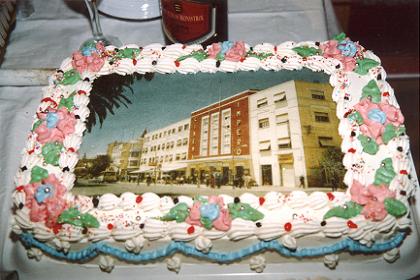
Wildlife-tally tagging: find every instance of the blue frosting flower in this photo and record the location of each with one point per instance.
(226, 46)
(87, 50)
(347, 48)
(377, 115)
(210, 211)
(52, 119)
(43, 192)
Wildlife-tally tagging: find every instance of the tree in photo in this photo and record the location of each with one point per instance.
(331, 167)
(99, 165)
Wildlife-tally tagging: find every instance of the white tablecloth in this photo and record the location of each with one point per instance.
(57, 28)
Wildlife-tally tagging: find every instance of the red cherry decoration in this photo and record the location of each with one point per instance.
(352, 150)
(19, 188)
(330, 196)
(351, 224)
(385, 93)
(57, 228)
(139, 199)
(177, 63)
(110, 226)
(134, 61)
(71, 150)
(262, 200)
(403, 172)
(191, 230)
(287, 227)
(30, 152)
(81, 92)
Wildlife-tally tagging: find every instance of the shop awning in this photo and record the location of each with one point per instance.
(173, 166)
(143, 169)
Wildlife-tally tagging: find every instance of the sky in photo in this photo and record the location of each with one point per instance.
(167, 99)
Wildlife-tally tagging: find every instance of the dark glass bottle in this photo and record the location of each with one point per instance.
(194, 21)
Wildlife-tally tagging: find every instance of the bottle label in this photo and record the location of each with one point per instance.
(188, 22)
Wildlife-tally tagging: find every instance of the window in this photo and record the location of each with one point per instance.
(186, 126)
(179, 128)
(204, 136)
(178, 142)
(322, 117)
(214, 134)
(280, 100)
(262, 102)
(135, 154)
(185, 141)
(284, 143)
(325, 141)
(263, 123)
(226, 132)
(282, 118)
(264, 146)
(317, 94)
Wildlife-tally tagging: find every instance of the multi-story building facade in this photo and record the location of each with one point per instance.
(165, 150)
(125, 156)
(219, 139)
(290, 124)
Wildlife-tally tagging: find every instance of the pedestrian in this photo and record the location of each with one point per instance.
(148, 180)
(197, 178)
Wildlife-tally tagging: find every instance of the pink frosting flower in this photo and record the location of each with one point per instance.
(330, 50)
(359, 193)
(92, 62)
(64, 126)
(237, 52)
(393, 114)
(194, 217)
(369, 127)
(49, 209)
(372, 128)
(374, 210)
(46, 134)
(224, 221)
(372, 198)
(214, 50)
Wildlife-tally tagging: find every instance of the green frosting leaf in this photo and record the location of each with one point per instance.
(198, 55)
(369, 145)
(72, 216)
(67, 102)
(244, 211)
(178, 213)
(89, 221)
(38, 173)
(385, 173)
(372, 91)
(260, 56)
(340, 37)
(350, 210)
(71, 77)
(364, 65)
(51, 153)
(36, 124)
(306, 51)
(356, 117)
(207, 223)
(391, 131)
(127, 53)
(395, 207)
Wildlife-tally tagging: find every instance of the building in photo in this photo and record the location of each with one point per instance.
(219, 140)
(291, 124)
(165, 151)
(125, 157)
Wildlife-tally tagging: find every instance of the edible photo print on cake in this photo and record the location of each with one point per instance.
(208, 134)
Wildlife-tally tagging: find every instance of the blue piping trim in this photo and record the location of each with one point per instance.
(94, 249)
